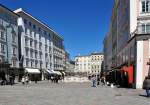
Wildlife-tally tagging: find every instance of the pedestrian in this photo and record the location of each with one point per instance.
(103, 80)
(23, 80)
(36, 79)
(3, 78)
(146, 85)
(27, 80)
(94, 81)
(98, 80)
(11, 80)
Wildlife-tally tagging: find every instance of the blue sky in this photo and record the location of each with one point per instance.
(82, 23)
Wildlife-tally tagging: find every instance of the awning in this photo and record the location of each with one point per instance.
(50, 71)
(130, 71)
(53, 72)
(32, 71)
(57, 72)
(63, 73)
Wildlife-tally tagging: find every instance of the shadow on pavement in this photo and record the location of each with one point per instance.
(142, 95)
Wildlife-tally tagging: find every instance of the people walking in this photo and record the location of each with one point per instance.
(146, 85)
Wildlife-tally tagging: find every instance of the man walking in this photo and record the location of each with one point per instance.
(94, 81)
(146, 85)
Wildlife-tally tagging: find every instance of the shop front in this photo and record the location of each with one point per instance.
(33, 74)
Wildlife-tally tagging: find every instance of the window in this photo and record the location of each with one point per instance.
(34, 26)
(40, 46)
(147, 28)
(36, 64)
(40, 55)
(31, 42)
(35, 45)
(14, 51)
(46, 64)
(30, 33)
(2, 35)
(30, 24)
(25, 21)
(46, 48)
(2, 48)
(27, 63)
(36, 55)
(49, 49)
(143, 28)
(34, 34)
(26, 42)
(25, 30)
(31, 54)
(13, 38)
(31, 64)
(40, 64)
(39, 29)
(27, 53)
(45, 32)
(145, 6)
(40, 37)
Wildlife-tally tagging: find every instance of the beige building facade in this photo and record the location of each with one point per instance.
(90, 64)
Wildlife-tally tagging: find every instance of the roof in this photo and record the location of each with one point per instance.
(96, 53)
(42, 23)
(82, 56)
(9, 10)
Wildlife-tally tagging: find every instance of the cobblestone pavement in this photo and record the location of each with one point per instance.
(46, 93)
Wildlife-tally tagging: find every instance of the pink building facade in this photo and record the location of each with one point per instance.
(130, 30)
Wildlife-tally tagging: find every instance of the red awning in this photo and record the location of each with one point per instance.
(129, 70)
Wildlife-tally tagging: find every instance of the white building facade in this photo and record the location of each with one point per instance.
(40, 46)
(8, 39)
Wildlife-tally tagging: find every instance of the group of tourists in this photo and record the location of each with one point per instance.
(97, 80)
(25, 80)
(55, 79)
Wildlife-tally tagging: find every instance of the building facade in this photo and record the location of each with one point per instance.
(8, 39)
(90, 64)
(130, 40)
(40, 46)
(82, 64)
(96, 63)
